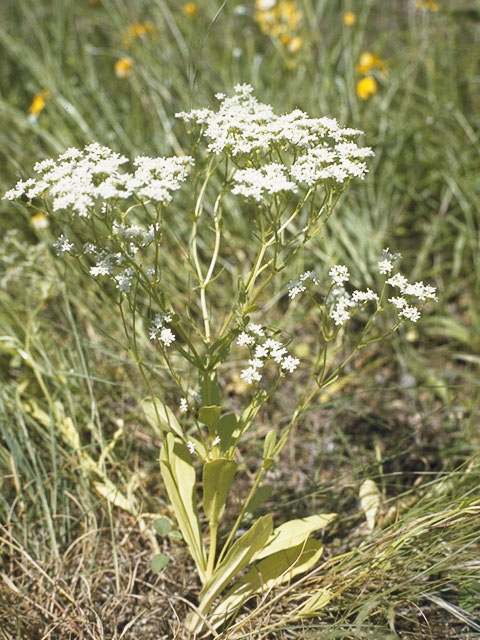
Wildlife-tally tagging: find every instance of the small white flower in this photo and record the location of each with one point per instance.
(409, 313)
(420, 291)
(245, 339)
(183, 405)
(339, 274)
(399, 302)
(398, 281)
(216, 441)
(309, 275)
(294, 288)
(250, 375)
(385, 266)
(339, 313)
(261, 351)
(124, 280)
(167, 336)
(191, 447)
(63, 245)
(290, 364)
(256, 329)
(278, 353)
(364, 296)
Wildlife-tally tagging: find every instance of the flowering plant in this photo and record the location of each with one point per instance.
(123, 228)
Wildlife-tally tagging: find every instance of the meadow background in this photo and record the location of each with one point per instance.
(76, 565)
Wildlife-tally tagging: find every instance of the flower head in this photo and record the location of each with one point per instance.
(39, 222)
(38, 103)
(368, 62)
(349, 18)
(123, 67)
(430, 5)
(190, 9)
(339, 274)
(367, 87)
(137, 30)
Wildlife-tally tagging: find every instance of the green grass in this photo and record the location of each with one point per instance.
(406, 414)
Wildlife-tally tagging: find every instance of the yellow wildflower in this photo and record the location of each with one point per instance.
(294, 45)
(265, 5)
(428, 4)
(38, 103)
(282, 18)
(39, 221)
(367, 87)
(367, 62)
(123, 67)
(190, 9)
(349, 18)
(137, 30)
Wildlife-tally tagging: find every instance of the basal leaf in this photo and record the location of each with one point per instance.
(239, 556)
(270, 572)
(294, 532)
(179, 477)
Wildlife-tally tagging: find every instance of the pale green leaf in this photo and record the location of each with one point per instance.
(159, 562)
(294, 532)
(370, 501)
(161, 418)
(270, 572)
(162, 526)
(179, 477)
(210, 416)
(227, 430)
(217, 479)
(239, 556)
(315, 603)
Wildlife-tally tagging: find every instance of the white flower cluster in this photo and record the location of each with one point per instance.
(342, 303)
(255, 183)
(80, 179)
(243, 126)
(339, 274)
(158, 330)
(269, 349)
(298, 286)
(415, 290)
(62, 245)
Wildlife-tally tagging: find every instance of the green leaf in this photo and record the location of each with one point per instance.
(239, 556)
(161, 417)
(217, 478)
(209, 389)
(315, 603)
(210, 416)
(226, 429)
(294, 532)
(159, 562)
(162, 526)
(176, 535)
(269, 449)
(277, 569)
(180, 481)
